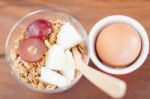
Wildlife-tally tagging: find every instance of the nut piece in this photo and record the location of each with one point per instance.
(82, 48)
(47, 43)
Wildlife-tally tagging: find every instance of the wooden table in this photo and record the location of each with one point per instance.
(88, 12)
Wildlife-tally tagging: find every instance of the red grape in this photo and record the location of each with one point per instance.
(31, 49)
(39, 28)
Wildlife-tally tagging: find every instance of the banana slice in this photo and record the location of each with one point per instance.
(56, 59)
(69, 72)
(68, 36)
(52, 77)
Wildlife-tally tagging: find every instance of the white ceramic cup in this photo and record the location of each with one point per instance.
(119, 19)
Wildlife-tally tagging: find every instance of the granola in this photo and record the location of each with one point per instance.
(30, 72)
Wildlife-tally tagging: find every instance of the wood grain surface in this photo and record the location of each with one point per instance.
(88, 12)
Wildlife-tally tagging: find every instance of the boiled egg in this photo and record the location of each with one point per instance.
(118, 45)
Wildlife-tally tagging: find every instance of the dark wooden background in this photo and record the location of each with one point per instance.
(88, 12)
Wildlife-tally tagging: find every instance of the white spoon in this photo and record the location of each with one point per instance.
(112, 86)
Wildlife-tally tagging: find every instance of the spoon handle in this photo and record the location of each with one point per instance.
(114, 87)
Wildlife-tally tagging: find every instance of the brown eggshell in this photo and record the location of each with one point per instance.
(118, 45)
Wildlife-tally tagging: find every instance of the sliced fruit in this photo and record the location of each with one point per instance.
(52, 77)
(56, 59)
(31, 49)
(39, 28)
(68, 36)
(69, 72)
